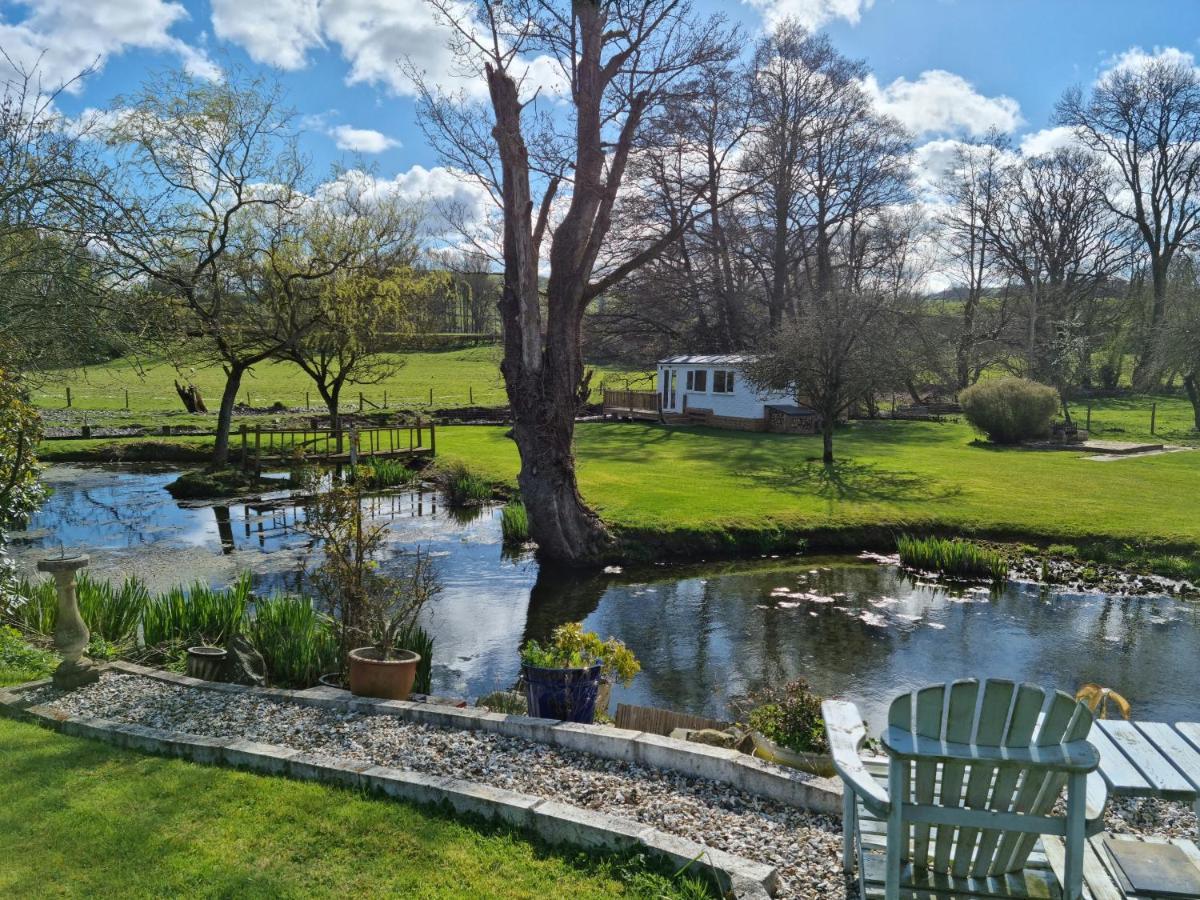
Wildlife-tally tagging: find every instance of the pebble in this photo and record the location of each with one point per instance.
(804, 846)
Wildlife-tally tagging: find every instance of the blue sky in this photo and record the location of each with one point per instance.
(947, 68)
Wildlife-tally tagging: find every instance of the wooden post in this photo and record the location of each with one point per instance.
(1153, 415)
(432, 438)
(257, 450)
(68, 396)
(418, 431)
(360, 401)
(431, 396)
(353, 451)
(306, 406)
(245, 447)
(1088, 427)
(126, 399)
(385, 399)
(470, 395)
(248, 397)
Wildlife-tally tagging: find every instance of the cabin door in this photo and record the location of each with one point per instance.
(668, 391)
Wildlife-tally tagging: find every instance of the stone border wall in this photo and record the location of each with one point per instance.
(553, 821)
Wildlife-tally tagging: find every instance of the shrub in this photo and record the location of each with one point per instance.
(297, 643)
(1010, 410)
(956, 558)
(571, 647)
(464, 488)
(21, 662)
(791, 717)
(514, 523)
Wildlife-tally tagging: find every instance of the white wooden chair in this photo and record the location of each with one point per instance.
(973, 771)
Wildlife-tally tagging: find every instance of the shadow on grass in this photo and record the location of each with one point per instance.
(849, 480)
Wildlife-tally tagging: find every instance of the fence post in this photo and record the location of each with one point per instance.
(126, 399)
(419, 436)
(1153, 415)
(360, 403)
(353, 452)
(470, 396)
(245, 446)
(432, 438)
(248, 403)
(385, 399)
(1088, 427)
(306, 406)
(68, 396)
(431, 396)
(257, 451)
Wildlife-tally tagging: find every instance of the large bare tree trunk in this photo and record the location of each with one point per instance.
(1191, 384)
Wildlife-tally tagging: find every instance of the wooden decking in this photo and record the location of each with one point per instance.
(632, 405)
(325, 446)
(1040, 879)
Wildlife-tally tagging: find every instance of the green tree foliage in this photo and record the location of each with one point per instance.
(1010, 410)
(20, 492)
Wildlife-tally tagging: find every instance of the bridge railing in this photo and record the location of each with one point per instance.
(329, 445)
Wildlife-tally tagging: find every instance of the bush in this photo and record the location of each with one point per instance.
(297, 643)
(21, 662)
(960, 559)
(791, 718)
(1010, 410)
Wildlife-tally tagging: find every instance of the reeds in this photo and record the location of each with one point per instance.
(514, 523)
(196, 615)
(297, 643)
(955, 558)
(464, 488)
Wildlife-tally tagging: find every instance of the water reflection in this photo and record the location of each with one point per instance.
(705, 634)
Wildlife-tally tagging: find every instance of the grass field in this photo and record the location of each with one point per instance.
(457, 378)
(82, 819)
(890, 476)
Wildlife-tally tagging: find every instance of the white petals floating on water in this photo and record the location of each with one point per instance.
(937, 625)
(612, 570)
(873, 619)
(893, 560)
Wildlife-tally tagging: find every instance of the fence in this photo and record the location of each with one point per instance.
(632, 404)
(335, 447)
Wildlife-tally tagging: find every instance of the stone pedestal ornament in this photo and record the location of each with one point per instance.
(70, 632)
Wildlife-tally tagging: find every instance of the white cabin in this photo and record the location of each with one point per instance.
(713, 390)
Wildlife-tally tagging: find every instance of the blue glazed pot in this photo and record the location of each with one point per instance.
(567, 694)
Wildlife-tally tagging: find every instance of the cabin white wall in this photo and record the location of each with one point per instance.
(744, 403)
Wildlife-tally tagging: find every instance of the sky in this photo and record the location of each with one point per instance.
(948, 69)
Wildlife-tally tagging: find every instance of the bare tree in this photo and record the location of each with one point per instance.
(1054, 232)
(210, 220)
(621, 60)
(1145, 121)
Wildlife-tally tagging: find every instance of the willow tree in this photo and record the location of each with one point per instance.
(557, 168)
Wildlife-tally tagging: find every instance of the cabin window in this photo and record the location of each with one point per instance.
(723, 381)
(697, 380)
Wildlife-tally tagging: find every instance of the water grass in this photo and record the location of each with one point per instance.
(297, 643)
(419, 641)
(199, 614)
(955, 558)
(112, 612)
(514, 523)
(384, 473)
(464, 488)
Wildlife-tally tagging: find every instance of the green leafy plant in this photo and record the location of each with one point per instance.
(512, 703)
(297, 643)
(1010, 410)
(417, 640)
(956, 558)
(791, 717)
(464, 488)
(199, 614)
(570, 647)
(383, 473)
(514, 523)
(112, 612)
(19, 660)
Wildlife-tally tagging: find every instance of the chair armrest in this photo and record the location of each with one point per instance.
(1076, 756)
(846, 733)
(1096, 797)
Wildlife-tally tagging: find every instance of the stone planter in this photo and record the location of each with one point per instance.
(205, 662)
(387, 679)
(813, 763)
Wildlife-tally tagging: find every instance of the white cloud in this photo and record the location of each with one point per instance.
(1047, 140)
(941, 102)
(450, 197)
(361, 140)
(812, 14)
(932, 160)
(1136, 58)
(63, 37)
(275, 32)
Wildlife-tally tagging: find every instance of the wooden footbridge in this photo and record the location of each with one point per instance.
(334, 447)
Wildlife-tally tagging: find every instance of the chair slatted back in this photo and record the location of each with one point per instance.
(990, 714)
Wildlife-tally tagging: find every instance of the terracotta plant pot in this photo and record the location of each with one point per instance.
(205, 662)
(387, 679)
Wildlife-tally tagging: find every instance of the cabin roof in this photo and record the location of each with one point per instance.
(725, 359)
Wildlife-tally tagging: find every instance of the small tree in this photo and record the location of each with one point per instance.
(20, 492)
(1010, 410)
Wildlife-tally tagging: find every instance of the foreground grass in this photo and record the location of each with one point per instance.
(456, 377)
(892, 476)
(82, 819)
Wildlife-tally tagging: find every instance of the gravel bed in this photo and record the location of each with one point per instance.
(803, 846)
(1165, 818)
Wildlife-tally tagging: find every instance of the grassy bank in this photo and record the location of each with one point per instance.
(696, 491)
(82, 819)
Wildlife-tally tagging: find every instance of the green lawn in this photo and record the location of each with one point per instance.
(82, 819)
(892, 475)
(456, 377)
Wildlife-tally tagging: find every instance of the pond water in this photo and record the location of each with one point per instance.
(705, 634)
